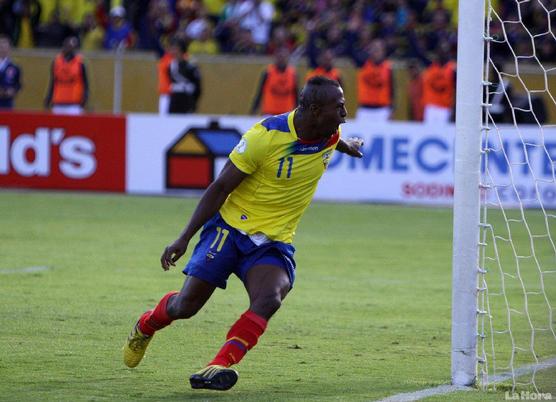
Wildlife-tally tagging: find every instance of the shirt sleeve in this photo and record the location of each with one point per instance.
(249, 154)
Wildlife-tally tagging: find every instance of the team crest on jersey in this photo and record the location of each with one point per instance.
(326, 158)
(241, 146)
(10, 73)
(210, 256)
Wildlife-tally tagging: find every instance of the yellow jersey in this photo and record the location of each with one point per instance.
(283, 175)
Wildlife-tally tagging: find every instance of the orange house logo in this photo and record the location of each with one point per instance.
(194, 158)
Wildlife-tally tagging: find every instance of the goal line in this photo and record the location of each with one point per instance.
(448, 389)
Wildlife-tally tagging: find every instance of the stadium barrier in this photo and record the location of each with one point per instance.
(408, 163)
(220, 95)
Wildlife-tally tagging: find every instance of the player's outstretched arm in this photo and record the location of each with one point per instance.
(351, 146)
(210, 203)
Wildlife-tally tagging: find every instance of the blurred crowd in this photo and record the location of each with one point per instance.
(370, 33)
(411, 28)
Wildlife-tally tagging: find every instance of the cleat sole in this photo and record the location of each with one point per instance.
(221, 381)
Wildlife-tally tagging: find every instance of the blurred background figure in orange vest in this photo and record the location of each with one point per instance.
(68, 89)
(375, 85)
(164, 82)
(325, 67)
(415, 90)
(277, 91)
(439, 87)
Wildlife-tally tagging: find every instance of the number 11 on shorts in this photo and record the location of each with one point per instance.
(221, 234)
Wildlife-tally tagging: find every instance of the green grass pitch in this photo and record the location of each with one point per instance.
(369, 315)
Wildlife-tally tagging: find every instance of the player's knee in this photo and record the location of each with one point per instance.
(266, 305)
(183, 307)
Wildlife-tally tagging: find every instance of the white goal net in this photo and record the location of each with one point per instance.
(517, 250)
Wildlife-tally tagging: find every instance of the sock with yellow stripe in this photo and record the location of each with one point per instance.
(242, 337)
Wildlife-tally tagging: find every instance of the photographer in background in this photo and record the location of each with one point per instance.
(185, 87)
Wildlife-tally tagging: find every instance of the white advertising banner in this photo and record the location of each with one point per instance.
(151, 137)
(407, 163)
(413, 163)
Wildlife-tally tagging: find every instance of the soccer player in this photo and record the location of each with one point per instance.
(250, 213)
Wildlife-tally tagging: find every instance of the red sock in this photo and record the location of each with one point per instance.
(243, 335)
(156, 319)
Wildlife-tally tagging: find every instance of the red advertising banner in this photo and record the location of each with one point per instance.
(39, 150)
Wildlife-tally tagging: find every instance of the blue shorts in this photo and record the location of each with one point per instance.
(223, 250)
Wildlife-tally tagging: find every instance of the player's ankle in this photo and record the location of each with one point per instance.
(143, 325)
(219, 361)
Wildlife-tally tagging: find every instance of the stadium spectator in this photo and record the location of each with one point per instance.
(500, 95)
(243, 42)
(119, 32)
(164, 83)
(280, 37)
(214, 9)
(200, 23)
(249, 216)
(156, 26)
(91, 33)
(72, 12)
(375, 85)
(434, 10)
(68, 90)
(256, 16)
(54, 32)
(277, 91)
(440, 32)
(136, 11)
(323, 36)
(227, 26)
(7, 19)
(10, 75)
(27, 14)
(387, 30)
(326, 68)
(185, 88)
(205, 44)
(546, 49)
(415, 91)
(439, 87)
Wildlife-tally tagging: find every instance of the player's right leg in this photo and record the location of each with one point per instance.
(173, 306)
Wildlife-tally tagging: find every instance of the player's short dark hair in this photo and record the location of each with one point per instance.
(315, 91)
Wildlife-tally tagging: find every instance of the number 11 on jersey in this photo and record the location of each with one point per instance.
(289, 159)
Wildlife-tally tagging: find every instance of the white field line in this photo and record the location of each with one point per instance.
(518, 372)
(425, 393)
(446, 389)
(26, 270)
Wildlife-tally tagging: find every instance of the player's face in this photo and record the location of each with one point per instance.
(333, 112)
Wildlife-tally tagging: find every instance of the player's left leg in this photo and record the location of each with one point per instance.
(173, 306)
(267, 285)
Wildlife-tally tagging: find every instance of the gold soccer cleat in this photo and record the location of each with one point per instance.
(135, 347)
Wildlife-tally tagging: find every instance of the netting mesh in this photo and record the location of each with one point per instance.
(517, 276)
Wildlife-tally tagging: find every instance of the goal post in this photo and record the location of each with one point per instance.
(465, 262)
(504, 238)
